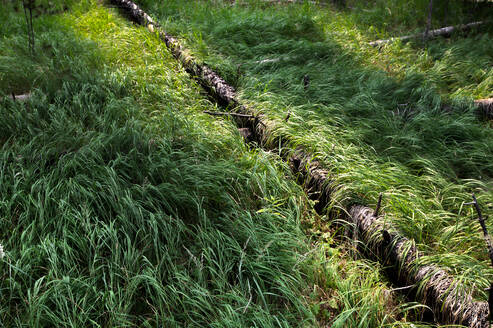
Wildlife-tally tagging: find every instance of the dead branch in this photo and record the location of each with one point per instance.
(428, 21)
(483, 227)
(379, 203)
(487, 239)
(444, 31)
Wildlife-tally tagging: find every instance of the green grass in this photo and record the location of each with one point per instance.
(411, 135)
(122, 204)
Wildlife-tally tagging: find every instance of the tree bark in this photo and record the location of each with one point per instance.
(450, 303)
(485, 108)
(428, 21)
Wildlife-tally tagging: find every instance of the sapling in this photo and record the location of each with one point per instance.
(28, 14)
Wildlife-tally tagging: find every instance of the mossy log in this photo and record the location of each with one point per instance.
(437, 288)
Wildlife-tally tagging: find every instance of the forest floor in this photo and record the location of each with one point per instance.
(123, 204)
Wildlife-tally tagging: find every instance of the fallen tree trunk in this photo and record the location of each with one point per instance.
(485, 108)
(432, 285)
(437, 289)
(448, 301)
(444, 31)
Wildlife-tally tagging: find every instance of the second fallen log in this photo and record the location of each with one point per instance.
(444, 31)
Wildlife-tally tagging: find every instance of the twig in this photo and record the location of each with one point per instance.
(402, 288)
(428, 22)
(483, 227)
(287, 116)
(487, 238)
(229, 114)
(379, 203)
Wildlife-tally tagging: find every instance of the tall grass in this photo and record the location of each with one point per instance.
(122, 204)
(404, 134)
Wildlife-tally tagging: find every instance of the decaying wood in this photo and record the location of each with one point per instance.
(444, 31)
(379, 204)
(437, 289)
(485, 108)
(246, 133)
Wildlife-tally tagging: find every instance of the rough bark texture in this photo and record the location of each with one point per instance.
(444, 31)
(437, 289)
(485, 108)
(450, 304)
(428, 21)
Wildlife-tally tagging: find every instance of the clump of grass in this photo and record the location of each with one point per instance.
(376, 132)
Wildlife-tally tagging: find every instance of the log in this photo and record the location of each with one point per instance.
(450, 303)
(444, 31)
(485, 108)
(439, 290)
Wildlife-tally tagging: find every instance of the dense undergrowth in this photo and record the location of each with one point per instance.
(398, 120)
(122, 204)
